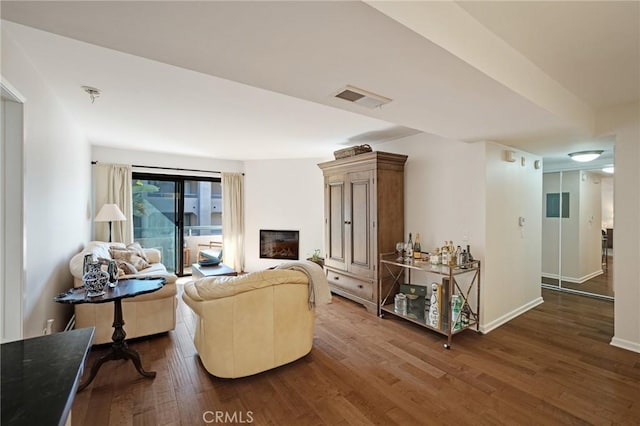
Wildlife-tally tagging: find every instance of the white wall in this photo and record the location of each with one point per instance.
(607, 202)
(590, 233)
(570, 267)
(513, 259)
(444, 190)
(550, 228)
(283, 194)
(444, 194)
(581, 236)
(467, 192)
(128, 156)
(624, 122)
(56, 192)
(12, 258)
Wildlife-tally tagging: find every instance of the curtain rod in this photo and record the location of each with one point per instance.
(170, 168)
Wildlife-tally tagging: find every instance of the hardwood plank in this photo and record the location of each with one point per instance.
(551, 365)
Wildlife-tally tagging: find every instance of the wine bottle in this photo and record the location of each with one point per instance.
(409, 248)
(469, 253)
(417, 249)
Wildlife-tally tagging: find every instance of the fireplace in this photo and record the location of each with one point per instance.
(278, 244)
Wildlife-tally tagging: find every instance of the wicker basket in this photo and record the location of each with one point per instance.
(351, 151)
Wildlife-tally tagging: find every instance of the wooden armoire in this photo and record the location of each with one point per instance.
(363, 217)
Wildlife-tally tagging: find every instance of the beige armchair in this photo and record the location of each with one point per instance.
(251, 323)
(144, 315)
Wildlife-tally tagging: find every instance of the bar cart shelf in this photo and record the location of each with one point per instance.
(394, 271)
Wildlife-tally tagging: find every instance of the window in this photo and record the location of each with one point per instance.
(176, 211)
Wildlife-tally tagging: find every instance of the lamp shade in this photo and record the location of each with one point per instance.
(110, 213)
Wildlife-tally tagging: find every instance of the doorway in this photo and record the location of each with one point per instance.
(577, 231)
(12, 259)
(178, 215)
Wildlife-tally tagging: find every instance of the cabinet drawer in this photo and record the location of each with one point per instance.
(359, 288)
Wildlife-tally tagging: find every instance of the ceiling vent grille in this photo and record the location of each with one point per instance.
(362, 97)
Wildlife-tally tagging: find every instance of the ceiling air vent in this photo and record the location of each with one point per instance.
(362, 97)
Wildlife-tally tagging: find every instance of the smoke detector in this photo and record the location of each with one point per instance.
(362, 97)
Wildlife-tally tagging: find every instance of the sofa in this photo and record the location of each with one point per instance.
(143, 315)
(253, 322)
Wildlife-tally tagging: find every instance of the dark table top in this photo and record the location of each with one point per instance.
(40, 377)
(125, 288)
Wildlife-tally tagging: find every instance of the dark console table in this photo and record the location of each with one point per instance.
(40, 377)
(119, 348)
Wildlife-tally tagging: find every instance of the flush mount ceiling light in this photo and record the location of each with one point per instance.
(92, 92)
(608, 169)
(585, 156)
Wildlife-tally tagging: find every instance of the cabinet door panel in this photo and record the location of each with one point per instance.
(335, 225)
(360, 228)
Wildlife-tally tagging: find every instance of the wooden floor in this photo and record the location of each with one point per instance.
(552, 365)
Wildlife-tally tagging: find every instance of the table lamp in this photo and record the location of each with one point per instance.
(110, 213)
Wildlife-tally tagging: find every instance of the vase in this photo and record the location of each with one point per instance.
(112, 270)
(95, 279)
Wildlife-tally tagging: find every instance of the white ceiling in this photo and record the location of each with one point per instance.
(251, 80)
(590, 47)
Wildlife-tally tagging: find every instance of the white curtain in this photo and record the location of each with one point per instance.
(112, 185)
(233, 220)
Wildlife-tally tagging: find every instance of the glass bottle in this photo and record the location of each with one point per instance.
(433, 318)
(417, 248)
(444, 254)
(464, 258)
(434, 259)
(456, 307)
(409, 248)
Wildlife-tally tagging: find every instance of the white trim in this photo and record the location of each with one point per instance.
(574, 291)
(486, 328)
(574, 279)
(12, 206)
(625, 344)
(9, 91)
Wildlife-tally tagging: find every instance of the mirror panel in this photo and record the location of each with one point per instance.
(577, 254)
(551, 206)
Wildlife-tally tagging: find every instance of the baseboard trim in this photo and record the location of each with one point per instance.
(591, 275)
(574, 280)
(625, 344)
(486, 328)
